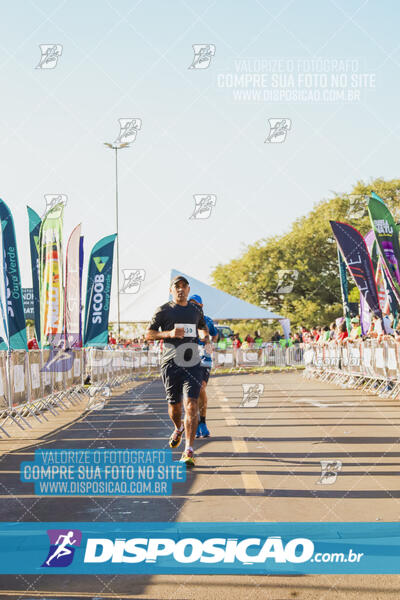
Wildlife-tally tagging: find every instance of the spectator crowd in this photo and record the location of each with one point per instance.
(338, 331)
(346, 333)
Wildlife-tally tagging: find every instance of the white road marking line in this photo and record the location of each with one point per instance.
(322, 404)
(252, 482)
(239, 446)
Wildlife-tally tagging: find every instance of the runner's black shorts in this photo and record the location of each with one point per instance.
(206, 373)
(179, 381)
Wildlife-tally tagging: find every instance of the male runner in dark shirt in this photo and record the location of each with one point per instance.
(181, 323)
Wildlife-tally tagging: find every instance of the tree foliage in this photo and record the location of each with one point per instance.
(309, 248)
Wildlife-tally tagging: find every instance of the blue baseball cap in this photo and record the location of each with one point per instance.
(196, 298)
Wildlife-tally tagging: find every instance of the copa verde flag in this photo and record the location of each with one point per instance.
(14, 306)
(388, 241)
(98, 292)
(51, 275)
(34, 228)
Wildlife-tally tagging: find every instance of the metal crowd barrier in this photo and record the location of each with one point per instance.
(368, 365)
(269, 355)
(37, 383)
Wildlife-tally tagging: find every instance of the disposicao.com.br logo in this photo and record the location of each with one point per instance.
(189, 550)
(200, 548)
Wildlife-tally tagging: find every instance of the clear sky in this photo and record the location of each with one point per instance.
(200, 133)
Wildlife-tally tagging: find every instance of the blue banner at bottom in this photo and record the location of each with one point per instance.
(200, 548)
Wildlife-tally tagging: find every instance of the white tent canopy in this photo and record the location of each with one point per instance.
(141, 306)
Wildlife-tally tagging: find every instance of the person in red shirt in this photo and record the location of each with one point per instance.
(236, 343)
(315, 334)
(32, 344)
(342, 335)
(303, 334)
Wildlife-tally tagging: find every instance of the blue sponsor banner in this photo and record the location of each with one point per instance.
(200, 548)
(16, 326)
(98, 292)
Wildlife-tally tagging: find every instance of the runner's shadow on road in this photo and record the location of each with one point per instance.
(281, 493)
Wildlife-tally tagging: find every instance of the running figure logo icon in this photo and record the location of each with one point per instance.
(132, 280)
(286, 281)
(278, 129)
(62, 542)
(128, 129)
(251, 394)
(53, 199)
(50, 55)
(61, 358)
(203, 54)
(357, 206)
(203, 205)
(329, 471)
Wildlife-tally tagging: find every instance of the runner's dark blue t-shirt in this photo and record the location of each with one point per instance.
(171, 315)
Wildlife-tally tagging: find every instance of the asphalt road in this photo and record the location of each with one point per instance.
(261, 463)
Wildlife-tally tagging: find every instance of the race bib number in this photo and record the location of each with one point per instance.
(190, 329)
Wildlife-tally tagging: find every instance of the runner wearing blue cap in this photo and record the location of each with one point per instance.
(206, 364)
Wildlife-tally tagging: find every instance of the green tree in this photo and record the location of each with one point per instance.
(308, 248)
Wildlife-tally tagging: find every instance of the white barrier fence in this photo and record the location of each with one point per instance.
(270, 355)
(35, 383)
(363, 364)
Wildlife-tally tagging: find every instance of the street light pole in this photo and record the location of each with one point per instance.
(117, 223)
(117, 147)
